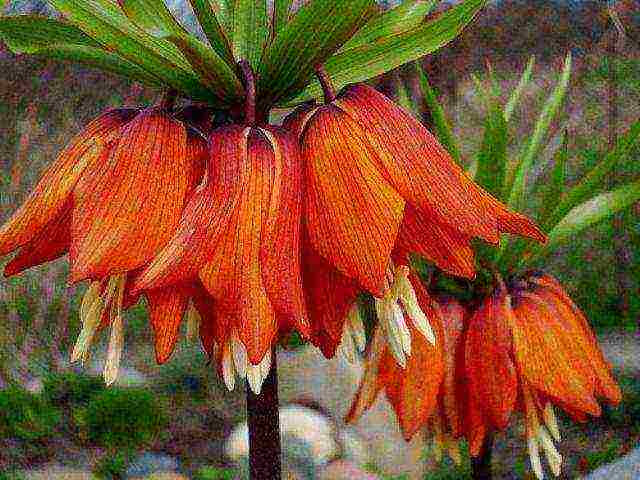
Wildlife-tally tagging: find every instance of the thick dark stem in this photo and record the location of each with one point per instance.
(249, 81)
(264, 428)
(326, 84)
(481, 465)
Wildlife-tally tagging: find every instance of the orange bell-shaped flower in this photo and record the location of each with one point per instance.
(240, 235)
(112, 199)
(531, 349)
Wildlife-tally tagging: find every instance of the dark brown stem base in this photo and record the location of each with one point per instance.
(264, 428)
(481, 465)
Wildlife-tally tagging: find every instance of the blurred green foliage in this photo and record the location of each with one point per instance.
(627, 414)
(128, 419)
(607, 454)
(215, 473)
(64, 389)
(26, 416)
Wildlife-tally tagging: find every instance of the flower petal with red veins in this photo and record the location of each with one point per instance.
(543, 361)
(49, 197)
(352, 212)
(281, 235)
(261, 225)
(129, 208)
(52, 243)
(213, 327)
(329, 295)
(207, 215)
(584, 337)
(166, 308)
(441, 244)
(452, 315)
(490, 372)
(415, 163)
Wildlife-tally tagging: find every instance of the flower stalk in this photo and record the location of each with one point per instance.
(264, 428)
(327, 85)
(250, 92)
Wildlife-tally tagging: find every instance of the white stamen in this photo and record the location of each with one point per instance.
(551, 421)
(193, 320)
(347, 347)
(265, 365)
(228, 371)
(89, 326)
(115, 297)
(114, 352)
(554, 459)
(254, 377)
(240, 358)
(410, 303)
(387, 312)
(534, 456)
(90, 296)
(357, 328)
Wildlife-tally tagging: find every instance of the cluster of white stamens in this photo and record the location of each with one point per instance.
(543, 436)
(400, 298)
(354, 338)
(95, 302)
(235, 362)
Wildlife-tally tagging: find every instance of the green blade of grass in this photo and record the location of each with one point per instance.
(514, 99)
(250, 30)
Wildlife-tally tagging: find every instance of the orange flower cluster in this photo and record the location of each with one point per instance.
(526, 348)
(258, 230)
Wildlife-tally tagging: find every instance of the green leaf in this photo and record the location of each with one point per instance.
(440, 122)
(212, 29)
(594, 180)
(514, 99)
(408, 15)
(224, 13)
(404, 98)
(492, 157)
(100, 59)
(370, 60)
(516, 182)
(152, 16)
(29, 33)
(554, 188)
(281, 10)
(107, 24)
(317, 31)
(214, 72)
(587, 214)
(250, 30)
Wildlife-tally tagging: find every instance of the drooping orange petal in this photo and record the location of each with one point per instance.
(489, 370)
(584, 339)
(352, 212)
(452, 314)
(413, 392)
(213, 327)
(249, 273)
(128, 209)
(415, 163)
(443, 245)
(49, 197)
(545, 364)
(280, 256)
(51, 243)
(166, 308)
(207, 214)
(329, 295)
(372, 382)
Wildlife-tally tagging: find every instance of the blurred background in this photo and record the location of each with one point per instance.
(177, 420)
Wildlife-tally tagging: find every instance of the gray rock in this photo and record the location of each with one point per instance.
(149, 463)
(625, 468)
(307, 375)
